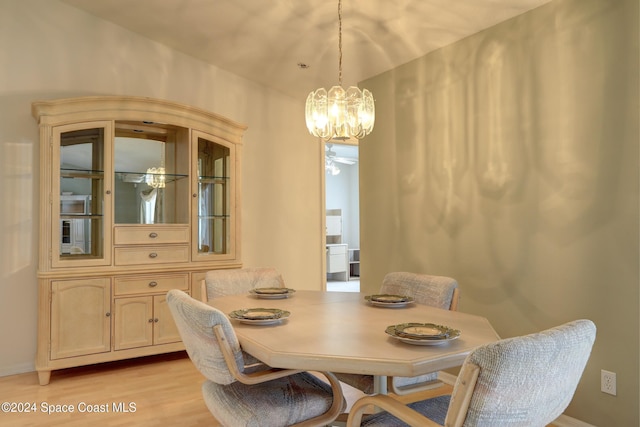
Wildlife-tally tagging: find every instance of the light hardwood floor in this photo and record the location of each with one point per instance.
(165, 389)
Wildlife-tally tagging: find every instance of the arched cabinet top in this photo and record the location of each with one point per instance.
(90, 108)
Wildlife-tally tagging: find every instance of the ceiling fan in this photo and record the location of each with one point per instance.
(332, 156)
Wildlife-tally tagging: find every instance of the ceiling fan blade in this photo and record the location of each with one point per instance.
(344, 160)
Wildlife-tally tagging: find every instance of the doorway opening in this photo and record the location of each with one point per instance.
(342, 209)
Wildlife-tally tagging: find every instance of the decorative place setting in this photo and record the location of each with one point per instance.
(422, 333)
(259, 316)
(389, 301)
(272, 293)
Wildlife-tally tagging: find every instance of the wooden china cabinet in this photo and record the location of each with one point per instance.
(137, 196)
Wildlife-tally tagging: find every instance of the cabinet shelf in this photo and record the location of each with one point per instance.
(213, 179)
(354, 262)
(139, 177)
(74, 216)
(81, 173)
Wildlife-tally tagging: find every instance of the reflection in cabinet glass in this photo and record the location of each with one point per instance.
(82, 154)
(213, 197)
(151, 173)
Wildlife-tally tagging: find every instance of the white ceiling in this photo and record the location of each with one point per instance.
(264, 40)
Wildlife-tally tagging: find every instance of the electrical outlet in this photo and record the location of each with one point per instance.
(608, 382)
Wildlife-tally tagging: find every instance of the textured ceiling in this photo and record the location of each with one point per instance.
(265, 40)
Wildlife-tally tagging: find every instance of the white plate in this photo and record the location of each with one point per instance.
(272, 293)
(389, 301)
(453, 335)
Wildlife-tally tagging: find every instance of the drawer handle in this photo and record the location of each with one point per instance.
(153, 284)
(153, 255)
(153, 235)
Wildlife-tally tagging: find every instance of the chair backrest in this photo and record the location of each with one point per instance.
(219, 283)
(435, 291)
(195, 321)
(522, 381)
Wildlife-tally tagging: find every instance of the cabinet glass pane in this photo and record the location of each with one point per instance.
(81, 190)
(151, 174)
(214, 197)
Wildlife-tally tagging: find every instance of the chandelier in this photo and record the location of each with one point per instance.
(340, 113)
(155, 177)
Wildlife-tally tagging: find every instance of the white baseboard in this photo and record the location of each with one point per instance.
(22, 368)
(561, 421)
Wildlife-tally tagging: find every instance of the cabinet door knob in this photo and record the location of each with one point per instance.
(108, 314)
(155, 320)
(108, 191)
(153, 255)
(153, 284)
(195, 195)
(153, 235)
(150, 320)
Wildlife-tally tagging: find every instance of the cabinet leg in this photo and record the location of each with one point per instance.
(44, 377)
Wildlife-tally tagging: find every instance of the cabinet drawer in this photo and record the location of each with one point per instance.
(150, 235)
(145, 255)
(337, 249)
(147, 284)
(336, 263)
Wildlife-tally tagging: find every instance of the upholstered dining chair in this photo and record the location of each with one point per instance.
(526, 381)
(238, 395)
(436, 291)
(218, 283)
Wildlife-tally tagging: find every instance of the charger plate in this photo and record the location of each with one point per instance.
(259, 316)
(272, 293)
(424, 339)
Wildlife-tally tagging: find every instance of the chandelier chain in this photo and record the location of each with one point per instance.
(340, 42)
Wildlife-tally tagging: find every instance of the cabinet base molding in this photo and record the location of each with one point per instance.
(44, 372)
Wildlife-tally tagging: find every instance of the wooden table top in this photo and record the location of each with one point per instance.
(342, 332)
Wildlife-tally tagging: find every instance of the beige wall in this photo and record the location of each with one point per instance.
(509, 161)
(50, 50)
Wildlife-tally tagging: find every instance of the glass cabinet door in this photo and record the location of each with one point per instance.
(215, 162)
(151, 173)
(81, 200)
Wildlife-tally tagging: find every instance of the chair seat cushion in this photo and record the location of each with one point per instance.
(275, 403)
(435, 409)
